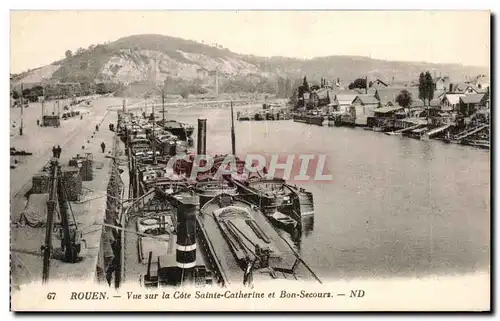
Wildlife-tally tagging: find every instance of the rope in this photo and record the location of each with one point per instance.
(300, 259)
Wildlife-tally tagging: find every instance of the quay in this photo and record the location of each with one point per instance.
(28, 207)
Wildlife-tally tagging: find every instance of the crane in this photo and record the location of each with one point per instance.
(71, 237)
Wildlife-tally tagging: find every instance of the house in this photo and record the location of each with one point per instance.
(473, 89)
(364, 106)
(344, 101)
(471, 103)
(377, 83)
(387, 96)
(458, 88)
(442, 83)
(451, 102)
(322, 96)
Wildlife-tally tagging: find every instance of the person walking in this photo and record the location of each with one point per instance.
(54, 152)
(59, 151)
(96, 128)
(103, 146)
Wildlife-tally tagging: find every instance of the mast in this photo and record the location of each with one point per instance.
(233, 137)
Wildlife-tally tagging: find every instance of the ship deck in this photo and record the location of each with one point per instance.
(223, 254)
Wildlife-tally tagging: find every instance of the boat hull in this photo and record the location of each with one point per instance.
(311, 120)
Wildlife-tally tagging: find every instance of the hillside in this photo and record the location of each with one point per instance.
(150, 61)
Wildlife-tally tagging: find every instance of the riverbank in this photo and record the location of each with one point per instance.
(75, 133)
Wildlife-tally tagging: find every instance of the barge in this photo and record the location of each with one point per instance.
(245, 245)
(309, 119)
(285, 205)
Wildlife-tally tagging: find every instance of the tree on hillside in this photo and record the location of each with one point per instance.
(79, 51)
(426, 89)
(15, 94)
(404, 98)
(422, 88)
(358, 83)
(305, 84)
(68, 53)
(303, 88)
(429, 84)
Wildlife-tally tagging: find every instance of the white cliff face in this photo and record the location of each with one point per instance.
(148, 65)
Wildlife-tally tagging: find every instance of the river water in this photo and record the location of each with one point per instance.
(396, 206)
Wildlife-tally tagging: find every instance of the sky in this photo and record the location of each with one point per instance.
(41, 37)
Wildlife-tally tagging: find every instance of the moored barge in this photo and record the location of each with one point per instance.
(309, 119)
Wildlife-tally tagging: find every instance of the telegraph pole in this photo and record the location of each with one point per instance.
(22, 112)
(233, 137)
(163, 105)
(43, 102)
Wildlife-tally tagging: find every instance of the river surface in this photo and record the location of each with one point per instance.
(396, 206)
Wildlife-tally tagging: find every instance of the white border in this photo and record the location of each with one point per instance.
(200, 4)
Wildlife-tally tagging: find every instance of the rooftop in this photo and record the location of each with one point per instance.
(367, 99)
(472, 99)
(343, 98)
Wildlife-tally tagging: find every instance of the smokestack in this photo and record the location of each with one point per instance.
(233, 137)
(186, 240)
(451, 87)
(124, 108)
(202, 137)
(366, 84)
